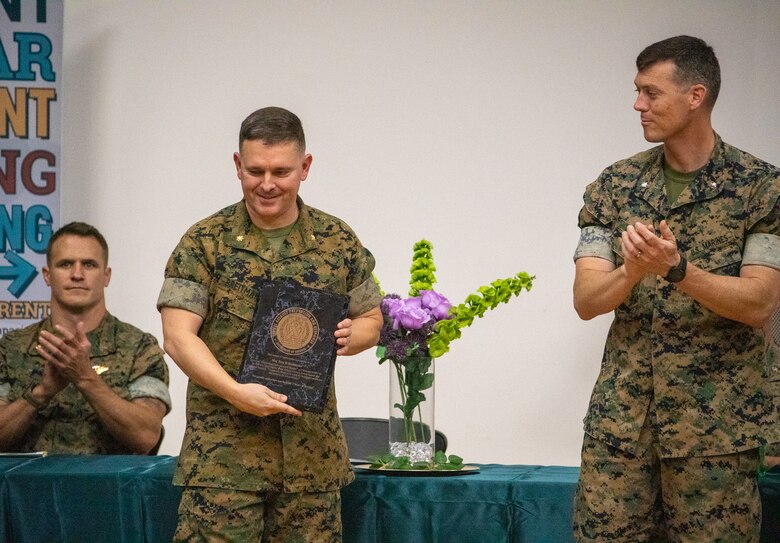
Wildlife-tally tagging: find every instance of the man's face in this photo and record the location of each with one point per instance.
(664, 105)
(77, 273)
(270, 177)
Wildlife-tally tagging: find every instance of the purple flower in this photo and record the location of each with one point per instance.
(409, 314)
(390, 305)
(438, 305)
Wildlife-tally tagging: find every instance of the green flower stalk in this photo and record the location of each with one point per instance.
(420, 328)
(476, 305)
(422, 277)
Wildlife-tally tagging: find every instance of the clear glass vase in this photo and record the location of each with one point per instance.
(412, 409)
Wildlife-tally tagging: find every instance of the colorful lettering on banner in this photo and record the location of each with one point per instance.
(30, 128)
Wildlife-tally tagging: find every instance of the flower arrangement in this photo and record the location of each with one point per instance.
(420, 328)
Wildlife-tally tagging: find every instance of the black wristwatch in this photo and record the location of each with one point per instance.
(677, 273)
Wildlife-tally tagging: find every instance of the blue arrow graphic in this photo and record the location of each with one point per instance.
(21, 271)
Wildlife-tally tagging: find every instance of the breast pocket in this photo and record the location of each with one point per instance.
(232, 304)
(724, 258)
(228, 330)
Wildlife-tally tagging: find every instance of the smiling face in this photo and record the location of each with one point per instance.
(270, 177)
(664, 104)
(77, 273)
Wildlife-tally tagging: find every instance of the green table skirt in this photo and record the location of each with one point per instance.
(128, 499)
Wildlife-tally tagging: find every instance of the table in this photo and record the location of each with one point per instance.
(499, 504)
(128, 499)
(116, 499)
(496, 504)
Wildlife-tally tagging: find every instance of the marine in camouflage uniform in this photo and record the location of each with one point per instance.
(681, 406)
(81, 381)
(773, 333)
(131, 363)
(275, 477)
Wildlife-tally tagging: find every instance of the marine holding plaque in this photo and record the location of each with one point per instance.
(255, 462)
(291, 348)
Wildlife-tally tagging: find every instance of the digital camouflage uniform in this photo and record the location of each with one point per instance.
(214, 272)
(773, 333)
(68, 425)
(697, 379)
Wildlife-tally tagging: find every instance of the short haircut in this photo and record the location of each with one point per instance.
(82, 230)
(695, 61)
(272, 125)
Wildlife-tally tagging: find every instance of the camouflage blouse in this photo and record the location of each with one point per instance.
(130, 361)
(214, 272)
(707, 374)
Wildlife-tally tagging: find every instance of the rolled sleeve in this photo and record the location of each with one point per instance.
(762, 250)
(595, 241)
(364, 297)
(147, 386)
(184, 294)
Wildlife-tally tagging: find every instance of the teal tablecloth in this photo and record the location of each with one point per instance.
(128, 499)
(7, 463)
(498, 504)
(116, 499)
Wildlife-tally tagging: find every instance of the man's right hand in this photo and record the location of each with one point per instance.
(260, 400)
(51, 383)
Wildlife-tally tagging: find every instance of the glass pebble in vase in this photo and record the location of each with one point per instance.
(412, 409)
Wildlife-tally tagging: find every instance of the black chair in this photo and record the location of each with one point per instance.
(368, 436)
(156, 448)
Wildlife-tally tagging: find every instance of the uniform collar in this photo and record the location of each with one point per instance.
(243, 234)
(708, 183)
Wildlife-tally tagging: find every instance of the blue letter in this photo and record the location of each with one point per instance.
(11, 228)
(37, 228)
(28, 57)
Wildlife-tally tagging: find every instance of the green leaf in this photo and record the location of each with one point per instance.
(400, 462)
(455, 459)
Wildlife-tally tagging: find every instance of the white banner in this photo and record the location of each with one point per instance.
(30, 133)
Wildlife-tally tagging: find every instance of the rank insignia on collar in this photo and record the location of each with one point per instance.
(100, 369)
(239, 238)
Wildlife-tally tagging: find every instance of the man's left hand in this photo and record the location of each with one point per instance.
(343, 335)
(653, 254)
(68, 352)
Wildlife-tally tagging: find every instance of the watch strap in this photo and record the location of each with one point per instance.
(27, 395)
(677, 273)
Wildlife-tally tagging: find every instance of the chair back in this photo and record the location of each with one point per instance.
(367, 436)
(156, 448)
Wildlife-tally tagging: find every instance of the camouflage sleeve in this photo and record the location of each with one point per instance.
(187, 275)
(147, 386)
(595, 220)
(598, 208)
(764, 208)
(184, 294)
(364, 297)
(363, 292)
(595, 241)
(149, 364)
(762, 245)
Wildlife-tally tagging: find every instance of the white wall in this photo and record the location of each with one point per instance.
(474, 124)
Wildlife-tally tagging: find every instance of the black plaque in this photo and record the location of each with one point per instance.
(292, 349)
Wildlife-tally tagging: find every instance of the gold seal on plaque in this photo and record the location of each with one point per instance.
(294, 331)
